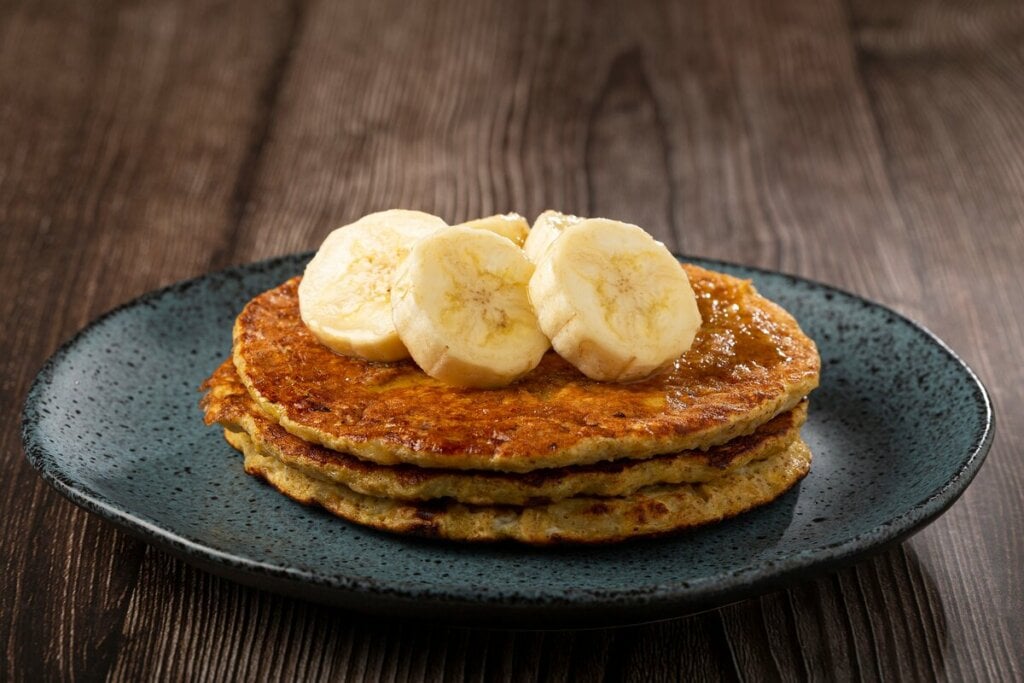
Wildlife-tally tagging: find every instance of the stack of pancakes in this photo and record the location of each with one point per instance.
(555, 457)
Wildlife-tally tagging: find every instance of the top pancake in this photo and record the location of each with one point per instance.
(749, 362)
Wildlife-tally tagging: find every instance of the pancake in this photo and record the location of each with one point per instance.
(228, 403)
(749, 362)
(653, 510)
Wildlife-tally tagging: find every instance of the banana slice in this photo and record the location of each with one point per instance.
(345, 294)
(510, 225)
(548, 226)
(461, 307)
(614, 302)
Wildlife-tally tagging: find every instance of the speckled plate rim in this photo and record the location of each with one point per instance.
(575, 608)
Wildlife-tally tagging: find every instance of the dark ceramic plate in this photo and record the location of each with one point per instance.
(898, 429)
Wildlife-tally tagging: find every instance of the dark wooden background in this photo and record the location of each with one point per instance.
(873, 145)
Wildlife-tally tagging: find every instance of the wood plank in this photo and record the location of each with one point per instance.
(364, 127)
(122, 131)
(946, 86)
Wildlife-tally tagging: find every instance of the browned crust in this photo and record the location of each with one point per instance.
(750, 362)
(228, 403)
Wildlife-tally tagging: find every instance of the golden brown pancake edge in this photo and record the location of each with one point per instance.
(653, 511)
(228, 403)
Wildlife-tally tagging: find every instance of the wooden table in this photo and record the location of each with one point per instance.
(872, 145)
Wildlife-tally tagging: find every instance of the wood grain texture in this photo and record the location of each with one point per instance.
(876, 146)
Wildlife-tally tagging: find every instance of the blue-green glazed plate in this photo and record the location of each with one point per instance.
(898, 428)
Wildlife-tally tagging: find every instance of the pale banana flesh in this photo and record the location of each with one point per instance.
(461, 307)
(345, 293)
(509, 225)
(613, 301)
(548, 226)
